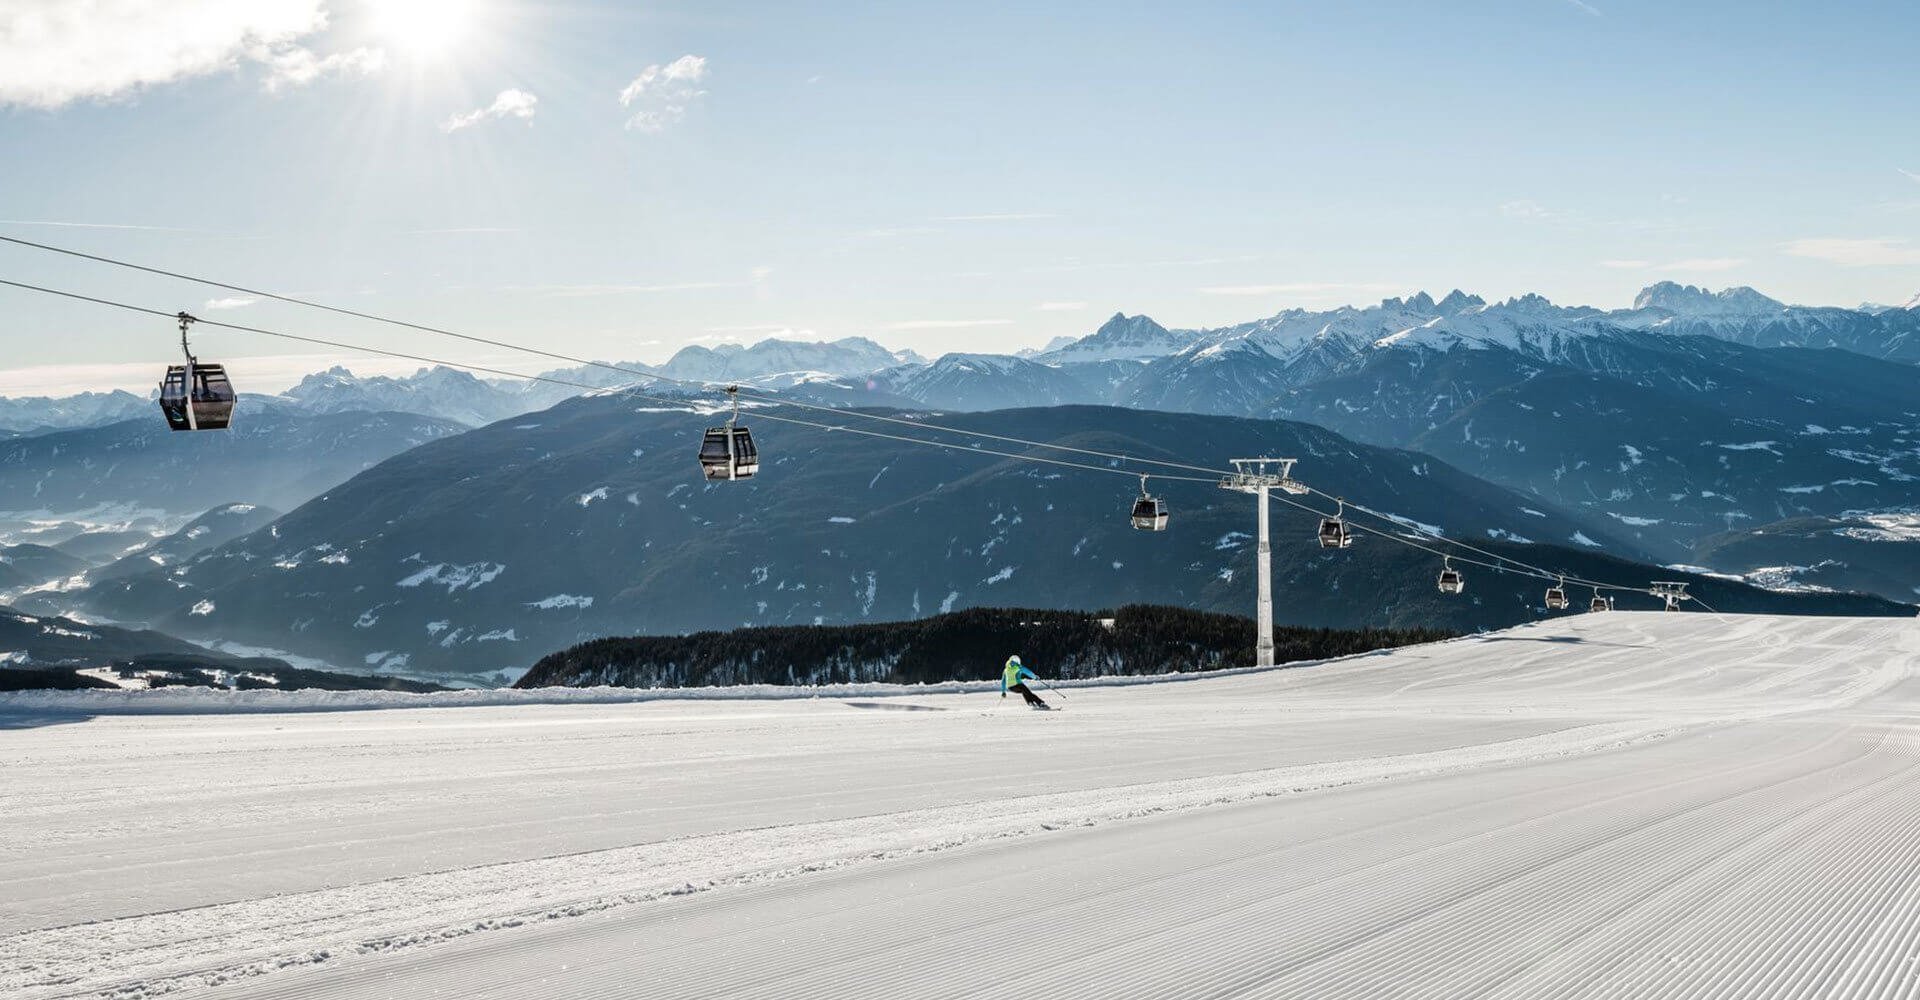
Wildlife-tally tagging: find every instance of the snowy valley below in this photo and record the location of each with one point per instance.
(1659, 797)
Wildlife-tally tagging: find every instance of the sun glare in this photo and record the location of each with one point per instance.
(426, 29)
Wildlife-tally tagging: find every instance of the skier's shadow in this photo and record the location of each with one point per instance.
(35, 720)
(892, 708)
(1558, 639)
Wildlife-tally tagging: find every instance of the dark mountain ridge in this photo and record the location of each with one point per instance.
(482, 552)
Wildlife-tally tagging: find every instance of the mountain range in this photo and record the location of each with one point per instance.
(480, 552)
(1723, 432)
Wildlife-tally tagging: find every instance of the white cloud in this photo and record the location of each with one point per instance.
(56, 52)
(1856, 253)
(1061, 306)
(1584, 7)
(1627, 265)
(232, 302)
(508, 104)
(947, 324)
(1910, 174)
(659, 96)
(297, 67)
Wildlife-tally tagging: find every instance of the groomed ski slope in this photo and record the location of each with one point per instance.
(1623, 805)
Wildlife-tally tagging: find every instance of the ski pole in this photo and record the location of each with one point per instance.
(1051, 688)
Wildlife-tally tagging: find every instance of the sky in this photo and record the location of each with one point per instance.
(620, 180)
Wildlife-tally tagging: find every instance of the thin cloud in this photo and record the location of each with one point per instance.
(458, 230)
(750, 328)
(997, 217)
(507, 104)
(582, 291)
(1688, 264)
(1299, 288)
(1705, 264)
(232, 302)
(890, 232)
(1525, 208)
(91, 225)
(947, 324)
(1584, 7)
(1910, 175)
(1528, 210)
(1885, 252)
(660, 95)
(1061, 306)
(264, 374)
(1201, 261)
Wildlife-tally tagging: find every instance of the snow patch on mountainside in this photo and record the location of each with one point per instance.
(467, 577)
(561, 601)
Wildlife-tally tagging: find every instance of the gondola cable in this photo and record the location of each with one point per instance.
(582, 362)
(1502, 564)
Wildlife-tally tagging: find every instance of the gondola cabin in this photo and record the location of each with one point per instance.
(1556, 599)
(1599, 604)
(727, 453)
(196, 397)
(1150, 514)
(1334, 534)
(1451, 582)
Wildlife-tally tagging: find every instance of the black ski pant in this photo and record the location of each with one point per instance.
(1027, 693)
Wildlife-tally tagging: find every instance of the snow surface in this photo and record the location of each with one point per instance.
(1625, 804)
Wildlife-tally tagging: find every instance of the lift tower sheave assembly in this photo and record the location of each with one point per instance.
(1671, 591)
(1258, 476)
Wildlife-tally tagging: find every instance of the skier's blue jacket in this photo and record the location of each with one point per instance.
(1013, 673)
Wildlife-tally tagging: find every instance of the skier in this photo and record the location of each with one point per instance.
(1013, 677)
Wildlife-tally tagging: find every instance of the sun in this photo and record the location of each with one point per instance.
(424, 29)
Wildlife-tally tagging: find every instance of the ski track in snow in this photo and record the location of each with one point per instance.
(1627, 804)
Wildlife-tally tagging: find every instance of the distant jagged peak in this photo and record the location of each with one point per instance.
(1690, 300)
(1422, 303)
(1530, 302)
(1120, 326)
(1913, 303)
(1057, 343)
(1120, 337)
(338, 375)
(1418, 302)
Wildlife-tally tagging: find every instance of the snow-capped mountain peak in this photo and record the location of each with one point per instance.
(1121, 337)
(847, 356)
(1688, 300)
